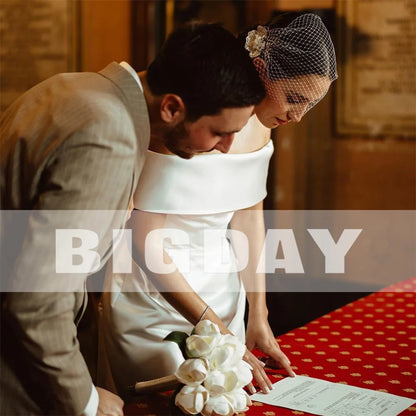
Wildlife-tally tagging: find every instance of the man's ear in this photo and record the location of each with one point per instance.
(172, 108)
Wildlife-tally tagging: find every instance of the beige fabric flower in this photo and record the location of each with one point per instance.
(256, 41)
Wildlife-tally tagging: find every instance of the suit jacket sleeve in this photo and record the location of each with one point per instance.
(86, 172)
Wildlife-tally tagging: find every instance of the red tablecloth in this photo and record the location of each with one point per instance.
(368, 343)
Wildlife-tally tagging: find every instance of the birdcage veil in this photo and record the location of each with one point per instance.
(299, 58)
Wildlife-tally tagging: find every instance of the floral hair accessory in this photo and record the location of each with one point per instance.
(256, 41)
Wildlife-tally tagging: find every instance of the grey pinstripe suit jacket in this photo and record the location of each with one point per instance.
(73, 142)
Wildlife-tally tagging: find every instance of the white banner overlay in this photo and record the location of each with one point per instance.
(298, 251)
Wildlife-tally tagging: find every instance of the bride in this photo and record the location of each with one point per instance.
(191, 274)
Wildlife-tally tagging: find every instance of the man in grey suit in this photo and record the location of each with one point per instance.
(75, 145)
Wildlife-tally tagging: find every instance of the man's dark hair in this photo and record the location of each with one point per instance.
(208, 68)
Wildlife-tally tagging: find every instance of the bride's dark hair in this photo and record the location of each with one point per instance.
(297, 43)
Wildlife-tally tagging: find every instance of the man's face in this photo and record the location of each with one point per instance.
(207, 133)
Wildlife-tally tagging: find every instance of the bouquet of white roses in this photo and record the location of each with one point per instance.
(213, 372)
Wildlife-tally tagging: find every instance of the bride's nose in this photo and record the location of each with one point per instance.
(295, 117)
(297, 113)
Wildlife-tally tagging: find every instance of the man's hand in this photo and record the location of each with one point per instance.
(109, 404)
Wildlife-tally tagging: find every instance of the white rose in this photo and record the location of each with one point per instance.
(201, 345)
(239, 400)
(218, 382)
(191, 400)
(228, 352)
(243, 372)
(192, 371)
(207, 328)
(217, 406)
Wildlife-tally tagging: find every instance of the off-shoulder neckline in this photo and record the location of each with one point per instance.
(211, 155)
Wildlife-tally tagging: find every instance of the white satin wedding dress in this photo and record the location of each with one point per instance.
(197, 195)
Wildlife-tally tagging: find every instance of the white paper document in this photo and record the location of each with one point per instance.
(324, 398)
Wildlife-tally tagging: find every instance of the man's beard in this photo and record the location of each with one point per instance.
(175, 139)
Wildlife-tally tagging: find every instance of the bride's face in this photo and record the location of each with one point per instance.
(207, 133)
(289, 99)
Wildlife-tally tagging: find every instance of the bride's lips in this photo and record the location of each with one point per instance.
(280, 122)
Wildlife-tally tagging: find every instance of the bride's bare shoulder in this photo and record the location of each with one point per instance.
(253, 136)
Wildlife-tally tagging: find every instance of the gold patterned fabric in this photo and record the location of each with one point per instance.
(369, 343)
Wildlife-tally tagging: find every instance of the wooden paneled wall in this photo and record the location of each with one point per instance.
(105, 33)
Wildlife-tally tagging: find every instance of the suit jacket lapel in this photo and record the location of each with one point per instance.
(137, 106)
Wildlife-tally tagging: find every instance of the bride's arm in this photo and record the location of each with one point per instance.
(259, 334)
(174, 287)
